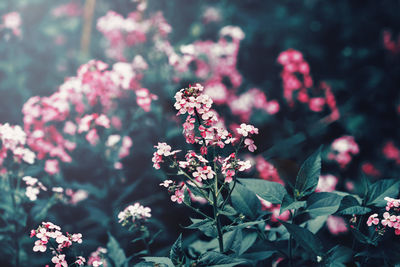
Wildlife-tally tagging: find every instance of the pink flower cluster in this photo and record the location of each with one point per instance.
(369, 169)
(342, 150)
(13, 140)
(134, 213)
(317, 98)
(391, 152)
(33, 187)
(207, 133)
(71, 9)
(213, 61)
(389, 44)
(123, 32)
(388, 220)
(97, 258)
(267, 171)
(254, 98)
(12, 21)
(72, 107)
(49, 233)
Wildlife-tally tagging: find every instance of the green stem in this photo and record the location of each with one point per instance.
(199, 212)
(217, 221)
(290, 245)
(15, 234)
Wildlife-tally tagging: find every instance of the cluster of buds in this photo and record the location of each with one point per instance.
(33, 187)
(388, 220)
(49, 233)
(134, 213)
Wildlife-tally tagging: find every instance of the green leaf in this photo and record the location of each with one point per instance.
(308, 175)
(270, 191)
(204, 225)
(288, 203)
(258, 256)
(245, 201)
(160, 260)
(232, 240)
(176, 253)
(228, 211)
(350, 205)
(248, 240)
(216, 259)
(339, 255)
(115, 252)
(315, 224)
(304, 238)
(193, 189)
(324, 203)
(381, 189)
(362, 238)
(244, 225)
(186, 197)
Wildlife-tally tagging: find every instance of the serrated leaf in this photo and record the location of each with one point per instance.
(304, 238)
(270, 191)
(115, 252)
(245, 201)
(176, 253)
(350, 205)
(308, 175)
(160, 260)
(381, 189)
(323, 203)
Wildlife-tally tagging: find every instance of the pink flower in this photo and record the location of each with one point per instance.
(92, 137)
(388, 220)
(77, 238)
(250, 144)
(166, 183)
(246, 129)
(40, 246)
(59, 260)
(178, 196)
(373, 220)
(80, 261)
(336, 225)
(229, 176)
(125, 147)
(13, 22)
(51, 166)
(326, 183)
